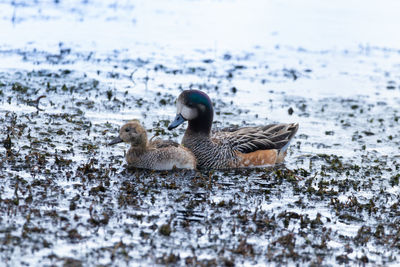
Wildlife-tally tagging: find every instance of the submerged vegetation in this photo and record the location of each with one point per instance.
(65, 197)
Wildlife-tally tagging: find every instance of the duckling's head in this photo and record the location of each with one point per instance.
(132, 133)
(194, 106)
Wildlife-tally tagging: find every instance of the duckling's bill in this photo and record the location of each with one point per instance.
(116, 141)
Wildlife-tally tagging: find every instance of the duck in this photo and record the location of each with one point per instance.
(232, 147)
(152, 154)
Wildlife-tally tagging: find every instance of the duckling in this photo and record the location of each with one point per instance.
(155, 155)
(229, 148)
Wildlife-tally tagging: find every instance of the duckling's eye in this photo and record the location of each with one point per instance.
(126, 129)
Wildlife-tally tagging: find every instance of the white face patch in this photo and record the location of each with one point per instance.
(186, 112)
(189, 113)
(179, 106)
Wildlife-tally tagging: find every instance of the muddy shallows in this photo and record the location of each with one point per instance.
(66, 198)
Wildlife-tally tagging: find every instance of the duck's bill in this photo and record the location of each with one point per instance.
(116, 141)
(178, 121)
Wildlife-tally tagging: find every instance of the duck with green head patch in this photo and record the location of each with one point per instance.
(155, 154)
(233, 148)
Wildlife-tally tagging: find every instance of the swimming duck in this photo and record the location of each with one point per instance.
(154, 154)
(230, 148)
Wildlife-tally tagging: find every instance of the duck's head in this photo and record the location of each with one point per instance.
(132, 133)
(194, 106)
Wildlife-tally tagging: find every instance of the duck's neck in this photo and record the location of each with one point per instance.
(137, 150)
(202, 124)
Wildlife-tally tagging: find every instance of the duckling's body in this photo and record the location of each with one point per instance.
(154, 155)
(243, 147)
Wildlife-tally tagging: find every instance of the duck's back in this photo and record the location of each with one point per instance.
(243, 147)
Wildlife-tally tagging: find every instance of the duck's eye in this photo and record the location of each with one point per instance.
(126, 129)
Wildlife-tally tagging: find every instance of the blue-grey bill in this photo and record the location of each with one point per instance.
(178, 121)
(116, 141)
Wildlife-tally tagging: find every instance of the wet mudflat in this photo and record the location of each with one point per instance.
(66, 198)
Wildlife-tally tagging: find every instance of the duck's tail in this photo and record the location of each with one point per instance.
(291, 129)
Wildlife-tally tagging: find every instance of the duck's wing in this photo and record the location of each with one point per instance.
(250, 139)
(160, 143)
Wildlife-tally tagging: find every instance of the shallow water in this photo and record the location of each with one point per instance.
(67, 198)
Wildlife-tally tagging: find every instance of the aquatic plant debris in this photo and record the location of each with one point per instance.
(66, 198)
